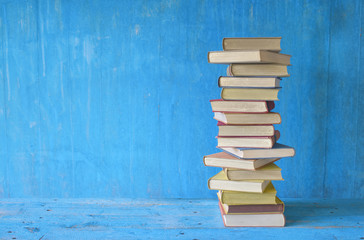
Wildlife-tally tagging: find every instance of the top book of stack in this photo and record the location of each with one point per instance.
(252, 57)
(270, 44)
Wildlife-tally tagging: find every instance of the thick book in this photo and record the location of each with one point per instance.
(278, 151)
(248, 56)
(268, 172)
(254, 208)
(249, 82)
(221, 182)
(225, 160)
(249, 198)
(252, 220)
(268, 43)
(266, 69)
(248, 142)
(220, 105)
(248, 118)
(265, 94)
(245, 130)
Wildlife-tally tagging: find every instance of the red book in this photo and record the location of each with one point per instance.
(256, 208)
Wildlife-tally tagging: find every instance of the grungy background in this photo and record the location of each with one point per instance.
(111, 98)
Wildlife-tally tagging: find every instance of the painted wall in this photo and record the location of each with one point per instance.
(111, 98)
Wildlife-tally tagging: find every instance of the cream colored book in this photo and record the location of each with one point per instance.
(264, 94)
(245, 130)
(219, 105)
(221, 182)
(225, 160)
(248, 118)
(248, 56)
(278, 151)
(268, 172)
(248, 142)
(266, 43)
(248, 70)
(249, 82)
(252, 220)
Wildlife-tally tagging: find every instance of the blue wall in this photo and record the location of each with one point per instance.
(111, 98)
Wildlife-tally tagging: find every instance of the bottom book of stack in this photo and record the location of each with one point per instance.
(253, 215)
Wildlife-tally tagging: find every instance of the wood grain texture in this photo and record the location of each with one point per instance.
(111, 98)
(170, 219)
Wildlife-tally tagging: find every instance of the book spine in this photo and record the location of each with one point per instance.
(270, 105)
(269, 208)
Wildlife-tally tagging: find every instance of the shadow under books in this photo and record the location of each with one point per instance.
(321, 213)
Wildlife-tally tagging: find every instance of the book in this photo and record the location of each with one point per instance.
(249, 82)
(269, 43)
(252, 220)
(248, 142)
(248, 56)
(221, 182)
(248, 198)
(266, 94)
(225, 160)
(245, 130)
(268, 172)
(266, 69)
(248, 118)
(219, 105)
(254, 208)
(278, 151)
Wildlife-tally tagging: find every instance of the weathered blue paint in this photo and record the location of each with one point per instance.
(170, 219)
(111, 98)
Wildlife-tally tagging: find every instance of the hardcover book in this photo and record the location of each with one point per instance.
(249, 198)
(245, 130)
(221, 182)
(254, 208)
(225, 160)
(265, 94)
(220, 105)
(249, 82)
(259, 70)
(248, 118)
(268, 172)
(268, 43)
(248, 142)
(252, 220)
(248, 56)
(278, 151)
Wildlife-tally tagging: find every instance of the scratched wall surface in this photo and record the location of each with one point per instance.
(111, 98)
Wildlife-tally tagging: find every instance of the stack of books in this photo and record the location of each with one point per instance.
(246, 134)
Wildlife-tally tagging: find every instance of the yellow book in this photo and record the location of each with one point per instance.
(221, 182)
(249, 198)
(268, 172)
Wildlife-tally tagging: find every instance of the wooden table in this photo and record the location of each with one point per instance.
(170, 219)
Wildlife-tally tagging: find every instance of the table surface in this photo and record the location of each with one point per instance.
(170, 219)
